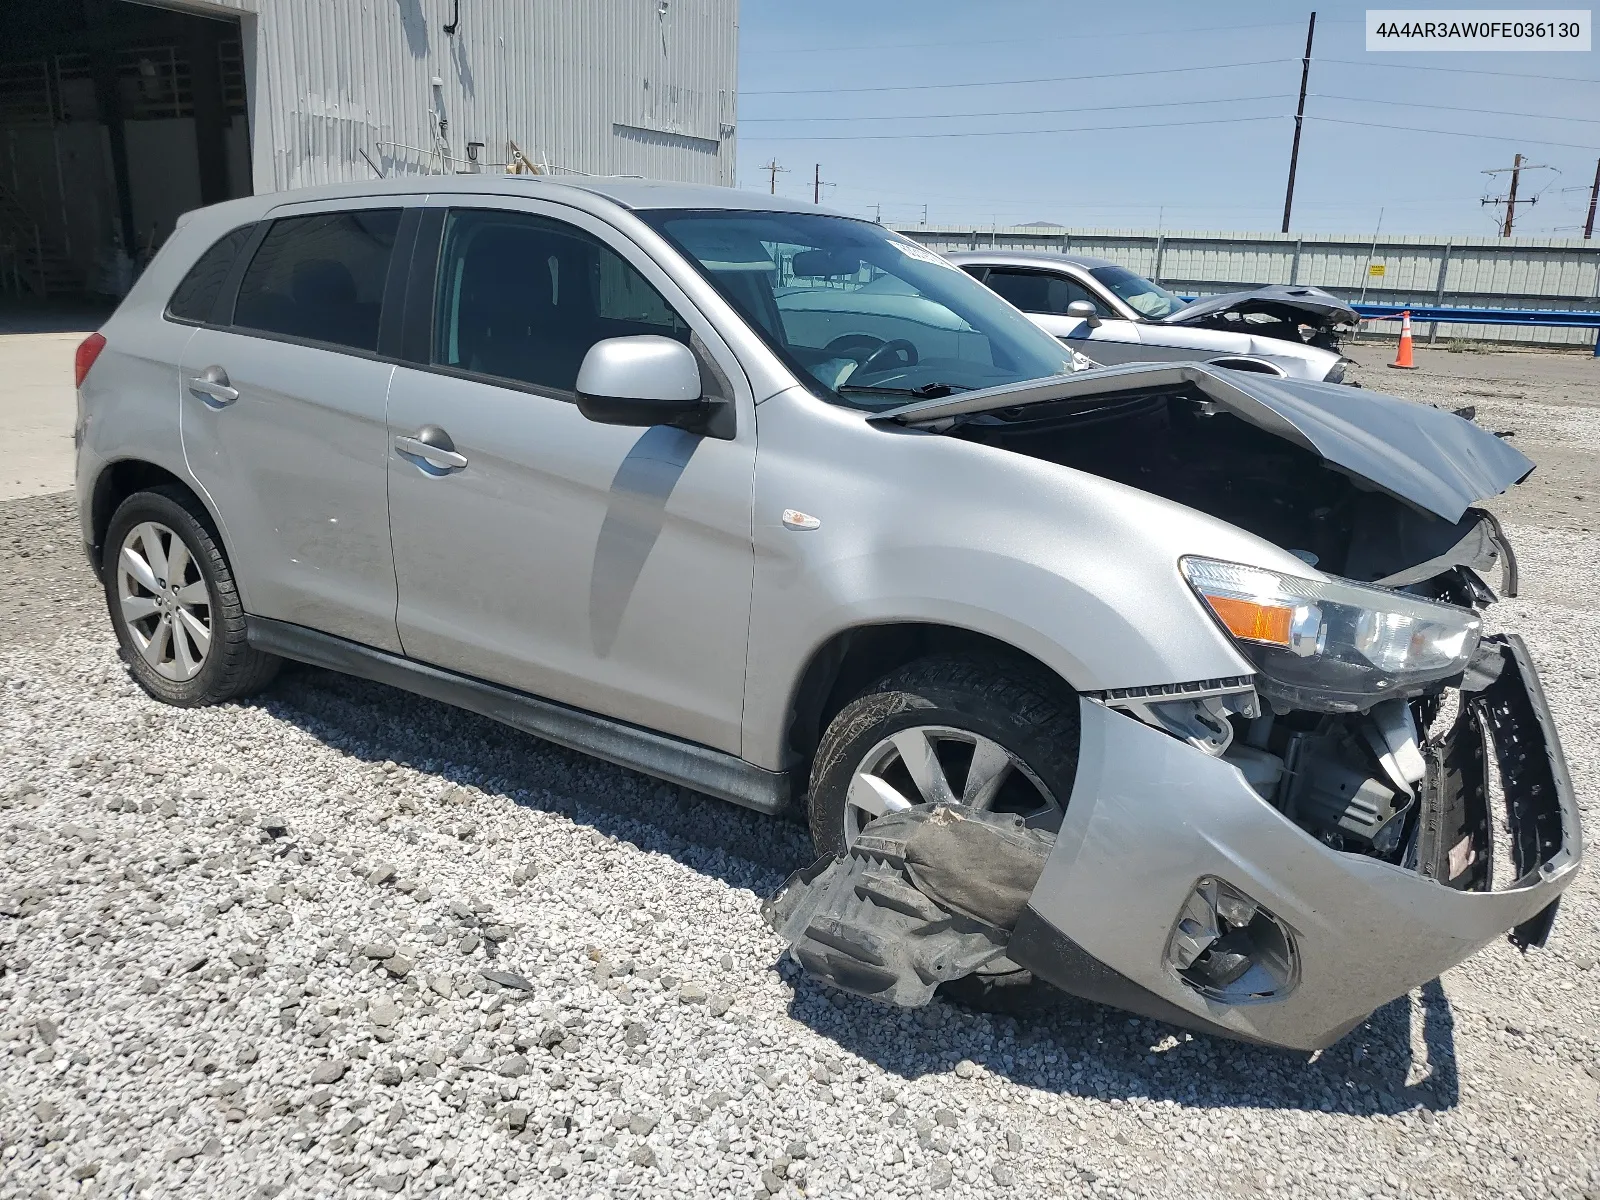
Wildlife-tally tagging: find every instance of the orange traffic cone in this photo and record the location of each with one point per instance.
(1403, 359)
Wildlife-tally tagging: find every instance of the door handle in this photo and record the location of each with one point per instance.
(433, 446)
(212, 385)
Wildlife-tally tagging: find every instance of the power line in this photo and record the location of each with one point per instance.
(1075, 38)
(1488, 137)
(1015, 112)
(1388, 66)
(1457, 108)
(932, 87)
(1032, 112)
(896, 137)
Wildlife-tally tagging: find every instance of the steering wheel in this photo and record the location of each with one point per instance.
(899, 346)
(850, 344)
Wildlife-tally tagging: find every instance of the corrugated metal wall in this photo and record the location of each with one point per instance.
(603, 87)
(1545, 273)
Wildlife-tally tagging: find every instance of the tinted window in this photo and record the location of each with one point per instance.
(522, 297)
(321, 277)
(1041, 292)
(197, 294)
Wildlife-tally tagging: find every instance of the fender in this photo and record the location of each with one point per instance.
(1077, 571)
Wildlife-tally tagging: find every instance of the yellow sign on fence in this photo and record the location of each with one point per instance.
(1375, 269)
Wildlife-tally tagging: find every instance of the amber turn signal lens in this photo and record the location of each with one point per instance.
(1252, 620)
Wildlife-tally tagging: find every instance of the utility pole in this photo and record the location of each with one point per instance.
(816, 184)
(772, 169)
(1299, 119)
(1594, 194)
(1510, 200)
(925, 207)
(877, 214)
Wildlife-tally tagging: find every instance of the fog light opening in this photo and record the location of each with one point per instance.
(1228, 948)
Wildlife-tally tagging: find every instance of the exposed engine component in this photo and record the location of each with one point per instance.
(1181, 445)
(1392, 734)
(925, 895)
(1262, 769)
(1351, 780)
(1332, 791)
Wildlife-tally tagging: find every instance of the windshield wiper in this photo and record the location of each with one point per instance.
(926, 391)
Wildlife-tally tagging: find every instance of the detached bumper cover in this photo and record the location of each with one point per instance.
(1149, 817)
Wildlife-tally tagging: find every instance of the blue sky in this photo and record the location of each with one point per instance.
(1212, 147)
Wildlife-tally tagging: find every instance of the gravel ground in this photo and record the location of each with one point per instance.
(341, 940)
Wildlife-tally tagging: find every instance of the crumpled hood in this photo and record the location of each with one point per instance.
(1310, 305)
(1432, 459)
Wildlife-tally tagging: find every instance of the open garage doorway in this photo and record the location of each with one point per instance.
(115, 118)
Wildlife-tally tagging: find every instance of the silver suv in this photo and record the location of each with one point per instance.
(1164, 684)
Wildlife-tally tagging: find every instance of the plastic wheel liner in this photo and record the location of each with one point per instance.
(923, 896)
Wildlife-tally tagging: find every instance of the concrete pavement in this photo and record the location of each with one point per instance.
(37, 409)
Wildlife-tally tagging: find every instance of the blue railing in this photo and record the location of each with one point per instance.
(1558, 318)
(1553, 317)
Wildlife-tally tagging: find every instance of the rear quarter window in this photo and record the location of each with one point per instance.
(196, 294)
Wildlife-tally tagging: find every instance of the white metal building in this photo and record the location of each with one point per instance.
(116, 117)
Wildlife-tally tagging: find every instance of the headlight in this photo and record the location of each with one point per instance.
(1329, 644)
(1336, 372)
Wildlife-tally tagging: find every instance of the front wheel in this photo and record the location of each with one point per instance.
(998, 737)
(174, 605)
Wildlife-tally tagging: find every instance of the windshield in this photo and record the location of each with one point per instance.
(867, 316)
(1145, 298)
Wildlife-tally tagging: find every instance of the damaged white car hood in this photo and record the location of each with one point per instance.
(1432, 459)
(1312, 306)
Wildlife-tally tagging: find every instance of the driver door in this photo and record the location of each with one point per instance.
(601, 566)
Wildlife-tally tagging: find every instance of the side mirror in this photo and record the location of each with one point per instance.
(643, 380)
(1083, 310)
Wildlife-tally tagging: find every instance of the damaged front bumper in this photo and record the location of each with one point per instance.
(1174, 890)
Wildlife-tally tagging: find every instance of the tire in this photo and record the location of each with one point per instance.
(1032, 716)
(158, 629)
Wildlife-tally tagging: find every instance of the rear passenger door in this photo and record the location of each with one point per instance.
(602, 566)
(283, 396)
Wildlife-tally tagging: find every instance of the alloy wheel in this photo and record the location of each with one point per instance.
(164, 601)
(939, 764)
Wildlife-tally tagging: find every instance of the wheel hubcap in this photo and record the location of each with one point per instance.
(938, 764)
(164, 601)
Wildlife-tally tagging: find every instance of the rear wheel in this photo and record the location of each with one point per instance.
(174, 605)
(995, 737)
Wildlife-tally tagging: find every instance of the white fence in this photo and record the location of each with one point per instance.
(1537, 273)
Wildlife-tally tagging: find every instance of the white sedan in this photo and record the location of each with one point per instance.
(1114, 315)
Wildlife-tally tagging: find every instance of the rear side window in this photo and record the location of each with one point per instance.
(196, 296)
(321, 277)
(523, 298)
